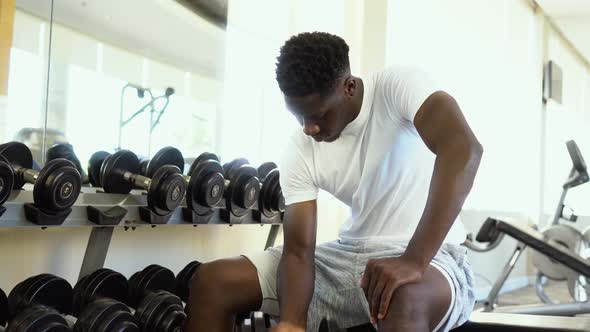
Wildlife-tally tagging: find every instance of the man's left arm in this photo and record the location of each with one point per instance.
(444, 130)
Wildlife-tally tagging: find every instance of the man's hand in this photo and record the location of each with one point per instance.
(287, 327)
(382, 277)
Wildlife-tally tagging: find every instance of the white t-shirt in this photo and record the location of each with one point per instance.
(379, 166)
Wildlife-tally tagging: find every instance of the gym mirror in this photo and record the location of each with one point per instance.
(135, 74)
(24, 50)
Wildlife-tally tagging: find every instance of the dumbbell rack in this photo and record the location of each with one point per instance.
(100, 236)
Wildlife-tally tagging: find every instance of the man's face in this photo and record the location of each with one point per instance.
(324, 117)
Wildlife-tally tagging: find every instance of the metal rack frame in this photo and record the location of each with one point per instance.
(101, 235)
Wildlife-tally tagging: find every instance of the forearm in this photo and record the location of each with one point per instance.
(296, 276)
(454, 172)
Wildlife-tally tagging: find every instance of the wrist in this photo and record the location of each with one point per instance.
(416, 260)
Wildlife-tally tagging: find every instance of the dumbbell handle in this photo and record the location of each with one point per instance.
(29, 175)
(139, 181)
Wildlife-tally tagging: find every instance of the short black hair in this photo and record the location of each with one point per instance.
(311, 62)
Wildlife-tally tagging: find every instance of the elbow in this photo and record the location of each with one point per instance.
(476, 150)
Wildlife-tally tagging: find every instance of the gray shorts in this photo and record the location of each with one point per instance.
(339, 266)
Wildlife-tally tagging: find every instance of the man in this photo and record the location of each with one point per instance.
(398, 151)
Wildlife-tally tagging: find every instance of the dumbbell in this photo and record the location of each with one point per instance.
(6, 179)
(103, 293)
(3, 308)
(271, 201)
(158, 310)
(39, 303)
(94, 164)
(149, 291)
(165, 189)
(205, 183)
(66, 151)
(244, 186)
(183, 280)
(56, 186)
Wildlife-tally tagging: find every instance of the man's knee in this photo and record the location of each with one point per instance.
(229, 284)
(407, 311)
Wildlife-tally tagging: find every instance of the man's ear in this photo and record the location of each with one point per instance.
(350, 85)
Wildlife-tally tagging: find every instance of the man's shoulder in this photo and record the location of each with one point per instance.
(397, 71)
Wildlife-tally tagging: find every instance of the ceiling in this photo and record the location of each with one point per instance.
(573, 18)
(184, 35)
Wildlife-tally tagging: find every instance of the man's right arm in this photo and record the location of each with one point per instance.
(296, 272)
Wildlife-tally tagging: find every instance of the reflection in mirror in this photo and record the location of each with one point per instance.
(136, 75)
(24, 45)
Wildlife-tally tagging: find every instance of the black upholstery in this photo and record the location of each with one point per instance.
(535, 240)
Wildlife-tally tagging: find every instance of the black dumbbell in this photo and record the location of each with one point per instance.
(39, 303)
(66, 151)
(100, 283)
(165, 190)
(3, 308)
(38, 318)
(6, 179)
(43, 289)
(56, 186)
(271, 200)
(205, 183)
(158, 310)
(183, 280)
(244, 186)
(98, 301)
(94, 164)
(104, 291)
(106, 315)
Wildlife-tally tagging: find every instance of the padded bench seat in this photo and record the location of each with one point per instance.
(536, 241)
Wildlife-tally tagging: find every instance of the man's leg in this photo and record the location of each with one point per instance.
(421, 306)
(219, 290)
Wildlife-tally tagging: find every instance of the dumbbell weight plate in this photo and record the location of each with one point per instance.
(106, 314)
(94, 165)
(230, 168)
(167, 190)
(17, 296)
(165, 156)
(131, 297)
(112, 285)
(152, 277)
(136, 285)
(57, 186)
(169, 315)
(155, 311)
(107, 283)
(245, 186)
(78, 295)
(184, 278)
(206, 186)
(53, 292)
(6, 179)
(160, 278)
(3, 308)
(265, 168)
(114, 168)
(270, 194)
(38, 319)
(202, 157)
(17, 154)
